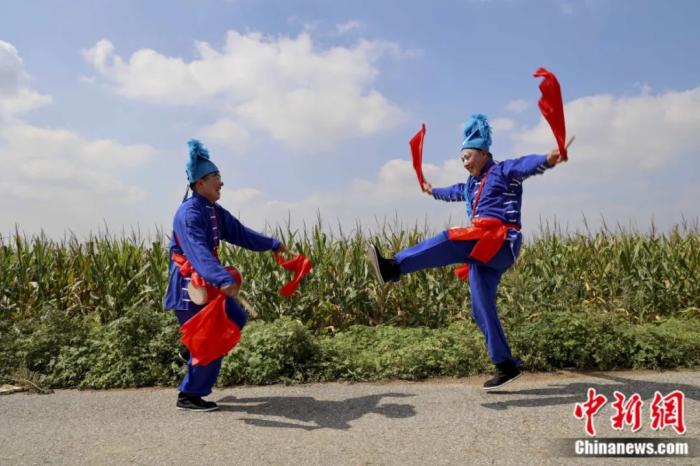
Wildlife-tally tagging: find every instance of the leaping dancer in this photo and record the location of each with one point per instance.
(493, 194)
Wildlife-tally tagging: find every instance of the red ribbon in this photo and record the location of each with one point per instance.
(552, 107)
(300, 265)
(416, 144)
(210, 334)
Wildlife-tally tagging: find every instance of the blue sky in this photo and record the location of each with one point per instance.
(309, 106)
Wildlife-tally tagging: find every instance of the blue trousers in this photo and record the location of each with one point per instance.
(484, 278)
(200, 379)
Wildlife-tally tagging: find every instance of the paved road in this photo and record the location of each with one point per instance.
(449, 421)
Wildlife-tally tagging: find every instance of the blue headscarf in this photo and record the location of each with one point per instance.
(198, 165)
(477, 133)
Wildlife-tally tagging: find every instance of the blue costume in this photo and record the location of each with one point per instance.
(500, 198)
(198, 226)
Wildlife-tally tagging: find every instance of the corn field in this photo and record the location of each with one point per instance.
(638, 276)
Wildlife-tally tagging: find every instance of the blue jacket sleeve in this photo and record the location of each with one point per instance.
(192, 237)
(525, 167)
(452, 193)
(236, 233)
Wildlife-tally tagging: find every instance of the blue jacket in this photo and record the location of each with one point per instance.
(198, 227)
(502, 195)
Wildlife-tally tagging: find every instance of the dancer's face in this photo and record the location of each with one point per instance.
(474, 160)
(210, 186)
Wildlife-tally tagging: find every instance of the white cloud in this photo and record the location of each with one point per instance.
(99, 54)
(23, 101)
(11, 69)
(54, 179)
(628, 151)
(47, 163)
(625, 146)
(306, 97)
(16, 96)
(643, 132)
(242, 196)
(642, 88)
(517, 106)
(502, 124)
(344, 28)
(87, 79)
(393, 191)
(566, 7)
(227, 132)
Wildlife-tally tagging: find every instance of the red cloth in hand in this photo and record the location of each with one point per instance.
(552, 107)
(210, 334)
(300, 265)
(416, 144)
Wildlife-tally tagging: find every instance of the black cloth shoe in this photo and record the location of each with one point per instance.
(195, 403)
(506, 372)
(387, 270)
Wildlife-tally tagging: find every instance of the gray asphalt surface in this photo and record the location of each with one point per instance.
(446, 421)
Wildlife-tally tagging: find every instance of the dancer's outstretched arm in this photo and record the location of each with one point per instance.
(452, 193)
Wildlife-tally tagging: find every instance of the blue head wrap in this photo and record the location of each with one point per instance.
(198, 164)
(477, 133)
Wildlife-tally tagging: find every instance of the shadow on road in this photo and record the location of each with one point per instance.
(317, 414)
(559, 394)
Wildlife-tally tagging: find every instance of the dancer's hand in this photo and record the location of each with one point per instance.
(231, 290)
(280, 249)
(554, 157)
(427, 188)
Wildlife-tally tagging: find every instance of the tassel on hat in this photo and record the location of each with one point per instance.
(477, 133)
(198, 165)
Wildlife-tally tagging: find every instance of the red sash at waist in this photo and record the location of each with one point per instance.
(489, 233)
(186, 270)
